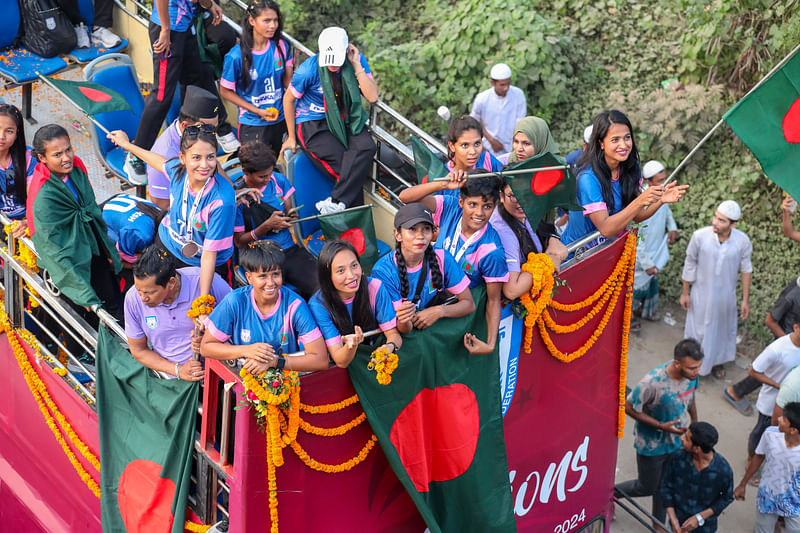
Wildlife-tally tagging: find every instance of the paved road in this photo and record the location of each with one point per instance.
(651, 347)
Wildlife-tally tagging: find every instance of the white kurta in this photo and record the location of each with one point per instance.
(499, 115)
(713, 269)
(652, 250)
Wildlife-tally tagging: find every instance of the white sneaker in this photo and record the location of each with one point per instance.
(328, 206)
(82, 33)
(135, 169)
(105, 38)
(228, 142)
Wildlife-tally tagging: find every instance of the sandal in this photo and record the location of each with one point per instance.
(742, 404)
(718, 371)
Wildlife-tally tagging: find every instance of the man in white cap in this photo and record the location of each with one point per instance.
(573, 156)
(324, 101)
(652, 252)
(714, 258)
(498, 109)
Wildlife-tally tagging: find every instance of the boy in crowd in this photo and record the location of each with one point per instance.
(779, 490)
(662, 404)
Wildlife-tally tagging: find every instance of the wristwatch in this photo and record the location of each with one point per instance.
(700, 519)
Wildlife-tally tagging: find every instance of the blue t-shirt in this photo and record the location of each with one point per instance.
(484, 260)
(266, 80)
(454, 278)
(288, 326)
(307, 88)
(590, 196)
(130, 228)
(212, 226)
(379, 301)
(181, 13)
(277, 189)
(486, 161)
(9, 204)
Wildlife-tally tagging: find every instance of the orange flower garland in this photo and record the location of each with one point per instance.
(334, 469)
(335, 431)
(25, 256)
(202, 305)
(623, 356)
(329, 407)
(384, 363)
(541, 268)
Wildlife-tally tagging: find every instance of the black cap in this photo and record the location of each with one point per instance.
(411, 214)
(199, 103)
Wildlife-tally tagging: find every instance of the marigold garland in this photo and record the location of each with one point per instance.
(383, 363)
(334, 469)
(334, 431)
(623, 356)
(202, 305)
(25, 256)
(194, 527)
(329, 407)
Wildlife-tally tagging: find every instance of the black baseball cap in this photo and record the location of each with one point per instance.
(199, 103)
(411, 214)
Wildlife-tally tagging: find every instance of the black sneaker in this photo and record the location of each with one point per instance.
(135, 169)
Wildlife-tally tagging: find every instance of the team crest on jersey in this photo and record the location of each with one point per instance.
(278, 63)
(151, 321)
(199, 225)
(284, 339)
(245, 335)
(467, 267)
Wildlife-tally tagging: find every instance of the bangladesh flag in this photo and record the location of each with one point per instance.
(356, 227)
(91, 98)
(538, 192)
(427, 164)
(768, 122)
(146, 437)
(440, 425)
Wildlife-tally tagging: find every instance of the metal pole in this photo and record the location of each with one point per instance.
(508, 172)
(718, 124)
(370, 333)
(312, 217)
(49, 84)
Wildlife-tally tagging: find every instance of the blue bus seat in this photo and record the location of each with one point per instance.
(18, 66)
(85, 55)
(115, 71)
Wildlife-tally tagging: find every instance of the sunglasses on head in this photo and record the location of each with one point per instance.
(198, 129)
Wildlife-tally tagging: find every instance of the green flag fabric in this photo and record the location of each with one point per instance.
(768, 123)
(357, 228)
(440, 425)
(146, 427)
(428, 166)
(355, 117)
(538, 192)
(91, 98)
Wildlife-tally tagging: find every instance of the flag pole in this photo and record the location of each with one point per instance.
(312, 217)
(370, 333)
(71, 101)
(507, 172)
(718, 124)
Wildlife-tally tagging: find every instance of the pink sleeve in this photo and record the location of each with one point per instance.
(217, 334)
(594, 207)
(437, 215)
(312, 335)
(227, 84)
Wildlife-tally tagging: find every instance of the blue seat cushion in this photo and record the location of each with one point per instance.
(20, 65)
(84, 55)
(115, 159)
(310, 186)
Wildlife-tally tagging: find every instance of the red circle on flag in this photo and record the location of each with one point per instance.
(145, 498)
(94, 95)
(791, 123)
(355, 237)
(436, 434)
(545, 180)
(425, 179)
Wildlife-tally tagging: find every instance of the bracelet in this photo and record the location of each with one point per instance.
(393, 346)
(177, 374)
(280, 363)
(253, 234)
(360, 71)
(700, 519)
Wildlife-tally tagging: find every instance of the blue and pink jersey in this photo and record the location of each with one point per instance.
(275, 192)
(212, 224)
(286, 327)
(266, 80)
(128, 226)
(483, 261)
(379, 301)
(307, 88)
(181, 13)
(9, 204)
(590, 196)
(486, 161)
(453, 277)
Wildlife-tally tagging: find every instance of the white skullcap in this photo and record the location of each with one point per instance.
(587, 134)
(730, 209)
(651, 168)
(333, 43)
(500, 71)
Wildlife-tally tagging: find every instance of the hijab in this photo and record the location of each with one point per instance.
(537, 130)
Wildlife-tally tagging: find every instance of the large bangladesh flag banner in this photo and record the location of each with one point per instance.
(440, 425)
(768, 122)
(146, 437)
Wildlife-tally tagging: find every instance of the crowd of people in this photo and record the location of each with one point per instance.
(450, 235)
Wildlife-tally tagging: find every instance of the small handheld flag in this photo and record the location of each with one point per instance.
(538, 192)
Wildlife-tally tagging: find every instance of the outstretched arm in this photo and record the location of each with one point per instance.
(120, 138)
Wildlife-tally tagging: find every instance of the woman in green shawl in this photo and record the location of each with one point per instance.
(531, 137)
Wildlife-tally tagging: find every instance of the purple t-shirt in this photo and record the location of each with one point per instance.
(167, 327)
(510, 242)
(167, 145)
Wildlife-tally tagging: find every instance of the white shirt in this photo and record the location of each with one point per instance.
(777, 491)
(499, 115)
(775, 362)
(652, 250)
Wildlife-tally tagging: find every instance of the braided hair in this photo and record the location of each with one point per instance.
(362, 310)
(437, 280)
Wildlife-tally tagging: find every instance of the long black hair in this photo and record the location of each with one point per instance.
(629, 170)
(430, 256)
(255, 8)
(17, 153)
(526, 242)
(363, 315)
